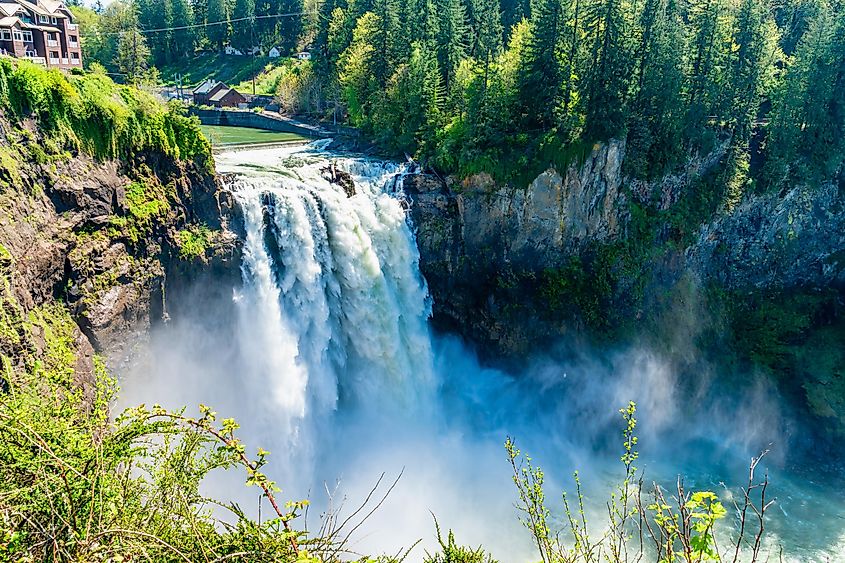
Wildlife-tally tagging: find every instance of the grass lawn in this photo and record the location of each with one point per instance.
(222, 135)
(230, 69)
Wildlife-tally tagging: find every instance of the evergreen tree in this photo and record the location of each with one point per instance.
(156, 17)
(710, 44)
(287, 30)
(183, 39)
(542, 73)
(656, 121)
(574, 26)
(218, 31)
(752, 62)
(199, 8)
(608, 71)
(133, 55)
(514, 11)
(356, 68)
(386, 40)
(485, 30)
(807, 132)
(451, 37)
(409, 117)
(243, 30)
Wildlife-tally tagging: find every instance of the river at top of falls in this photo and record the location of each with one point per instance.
(329, 363)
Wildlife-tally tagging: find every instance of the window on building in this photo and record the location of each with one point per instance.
(43, 19)
(54, 21)
(74, 56)
(27, 36)
(5, 34)
(18, 36)
(72, 39)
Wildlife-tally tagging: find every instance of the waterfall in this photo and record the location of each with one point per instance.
(333, 309)
(326, 360)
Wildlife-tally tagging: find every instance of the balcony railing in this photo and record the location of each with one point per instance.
(54, 61)
(37, 60)
(65, 61)
(73, 44)
(72, 26)
(74, 61)
(52, 43)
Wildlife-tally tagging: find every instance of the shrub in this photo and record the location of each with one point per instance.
(91, 113)
(194, 241)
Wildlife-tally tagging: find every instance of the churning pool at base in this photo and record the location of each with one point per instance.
(329, 362)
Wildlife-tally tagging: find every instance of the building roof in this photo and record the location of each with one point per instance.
(9, 21)
(43, 28)
(10, 8)
(222, 93)
(51, 5)
(208, 86)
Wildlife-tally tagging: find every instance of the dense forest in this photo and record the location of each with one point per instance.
(507, 88)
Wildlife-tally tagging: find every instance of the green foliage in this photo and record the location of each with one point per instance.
(75, 486)
(194, 241)
(767, 327)
(451, 552)
(147, 204)
(520, 85)
(681, 529)
(806, 138)
(93, 114)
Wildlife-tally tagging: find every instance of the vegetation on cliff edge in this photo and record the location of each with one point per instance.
(90, 113)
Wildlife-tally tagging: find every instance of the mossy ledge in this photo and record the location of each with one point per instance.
(98, 184)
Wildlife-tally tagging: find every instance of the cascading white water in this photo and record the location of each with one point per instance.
(333, 306)
(329, 364)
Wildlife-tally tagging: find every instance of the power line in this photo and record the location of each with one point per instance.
(209, 24)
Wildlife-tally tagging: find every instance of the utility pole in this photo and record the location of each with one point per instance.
(252, 47)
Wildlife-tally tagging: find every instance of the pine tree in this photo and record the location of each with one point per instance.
(199, 8)
(485, 30)
(542, 73)
(451, 37)
(608, 71)
(356, 68)
(656, 120)
(156, 17)
(752, 62)
(289, 28)
(486, 33)
(183, 39)
(243, 31)
(514, 11)
(709, 46)
(133, 55)
(386, 40)
(218, 30)
(807, 132)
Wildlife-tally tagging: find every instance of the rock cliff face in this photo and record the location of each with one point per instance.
(776, 241)
(769, 242)
(103, 238)
(514, 268)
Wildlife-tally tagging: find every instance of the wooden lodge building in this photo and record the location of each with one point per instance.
(41, 31)
(217, 94)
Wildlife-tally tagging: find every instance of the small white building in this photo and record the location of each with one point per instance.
(274, 53)
(229, 50)
(303, 56)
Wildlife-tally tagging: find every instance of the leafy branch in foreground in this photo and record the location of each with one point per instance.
(232, 448)
(681, 528)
